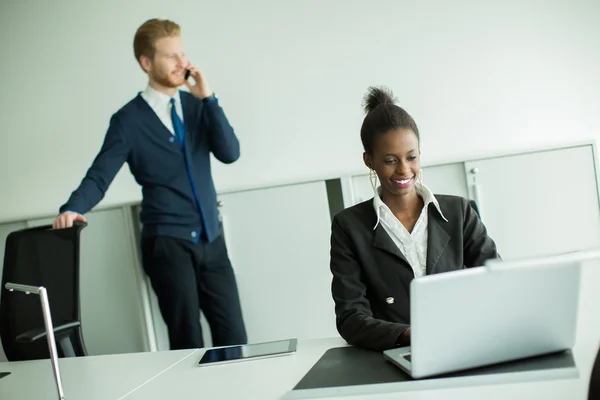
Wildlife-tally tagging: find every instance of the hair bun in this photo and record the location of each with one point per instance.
(375, 96)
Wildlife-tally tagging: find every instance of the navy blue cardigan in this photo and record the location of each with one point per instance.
(179, 197)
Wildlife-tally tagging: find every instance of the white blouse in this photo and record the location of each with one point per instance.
(413, 245)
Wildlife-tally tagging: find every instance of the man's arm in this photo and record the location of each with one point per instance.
(222, 140)
(108, 162)
(221, 137)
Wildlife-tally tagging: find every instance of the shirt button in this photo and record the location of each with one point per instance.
(171, 139)
(194, 234)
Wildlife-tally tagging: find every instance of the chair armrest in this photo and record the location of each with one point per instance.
(35, 334)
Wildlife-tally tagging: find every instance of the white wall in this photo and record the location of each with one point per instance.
(477, 76)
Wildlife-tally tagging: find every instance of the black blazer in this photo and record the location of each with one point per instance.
(369, 270)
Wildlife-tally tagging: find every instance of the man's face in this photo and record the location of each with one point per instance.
(169, 64)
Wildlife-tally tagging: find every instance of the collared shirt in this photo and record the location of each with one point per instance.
(414, 244)
(161, 104)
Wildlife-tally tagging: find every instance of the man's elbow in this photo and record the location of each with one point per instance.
(229, 157)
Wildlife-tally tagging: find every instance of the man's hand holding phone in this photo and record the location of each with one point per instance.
(200, 88)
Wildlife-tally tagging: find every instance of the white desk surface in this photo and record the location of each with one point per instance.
(261, 379)
(86, 378)
(176, 374)
(275, 377)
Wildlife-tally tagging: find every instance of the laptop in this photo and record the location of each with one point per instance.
(503, 311)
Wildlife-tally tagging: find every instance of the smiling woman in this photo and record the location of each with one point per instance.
(404, 232)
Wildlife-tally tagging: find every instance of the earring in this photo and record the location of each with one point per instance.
(419, 178)
(373, 179)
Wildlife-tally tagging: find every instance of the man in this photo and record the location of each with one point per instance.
(166, 136)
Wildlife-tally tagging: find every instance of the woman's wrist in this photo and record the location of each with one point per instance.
(404, 338)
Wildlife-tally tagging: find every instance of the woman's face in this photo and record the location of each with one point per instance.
(395, 157)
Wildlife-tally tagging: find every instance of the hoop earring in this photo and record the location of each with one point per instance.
(420, 178)
(373, 179)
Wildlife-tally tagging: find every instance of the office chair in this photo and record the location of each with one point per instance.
(41, 256)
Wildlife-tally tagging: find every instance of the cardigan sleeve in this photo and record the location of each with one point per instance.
(104, 168)
(223, 142)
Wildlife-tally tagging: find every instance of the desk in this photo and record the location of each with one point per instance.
(176, 374)
(274, 378)
(262, 379)
(86, 378)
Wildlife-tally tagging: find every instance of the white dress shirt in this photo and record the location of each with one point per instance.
(413, 245)
(161, 104)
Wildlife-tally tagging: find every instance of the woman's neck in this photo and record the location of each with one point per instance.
(407, 204)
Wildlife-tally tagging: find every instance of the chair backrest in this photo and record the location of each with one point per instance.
(39, 256)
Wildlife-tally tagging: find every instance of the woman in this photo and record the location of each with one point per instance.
(404, 232)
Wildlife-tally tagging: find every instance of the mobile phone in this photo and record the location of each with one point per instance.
(187, 74)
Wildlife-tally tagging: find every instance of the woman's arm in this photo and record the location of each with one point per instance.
(354, 317)
(477, 245)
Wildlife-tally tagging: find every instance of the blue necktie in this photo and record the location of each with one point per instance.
(177, 124)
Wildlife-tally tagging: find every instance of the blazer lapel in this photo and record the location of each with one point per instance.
(437, 239)
(383, 241)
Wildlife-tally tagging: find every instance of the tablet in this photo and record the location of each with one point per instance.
(247, 352)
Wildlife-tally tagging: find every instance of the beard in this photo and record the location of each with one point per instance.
(167, 79)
